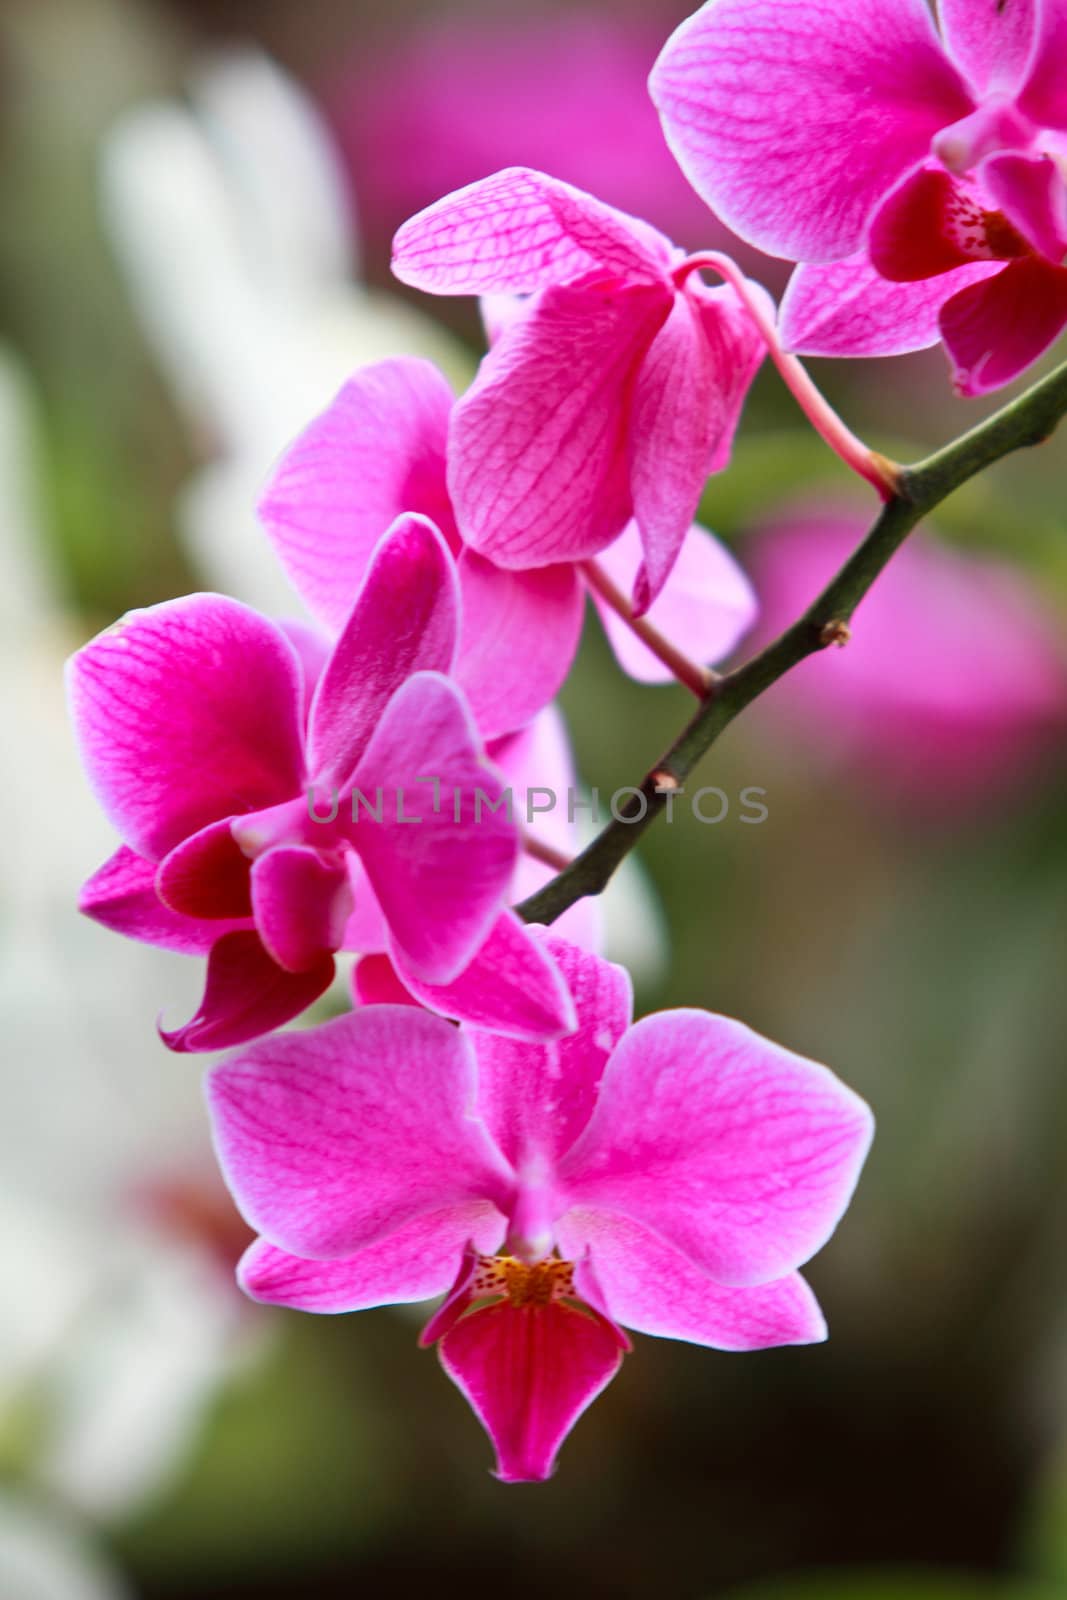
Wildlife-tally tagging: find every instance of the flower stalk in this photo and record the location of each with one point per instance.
(1028, 420)
(878, 470)
(699, 680)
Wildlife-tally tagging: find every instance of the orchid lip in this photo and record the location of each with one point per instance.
(522, 1283)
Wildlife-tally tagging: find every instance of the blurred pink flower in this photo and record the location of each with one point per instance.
(670, 1175)
(921, 177)
(380, 450)
(954, 683)
(465, 93)
(207, 736)
(613, 395)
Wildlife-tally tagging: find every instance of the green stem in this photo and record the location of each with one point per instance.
(1029, 420)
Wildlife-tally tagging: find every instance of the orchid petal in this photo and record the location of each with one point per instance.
(791, 122)
(687, 405)
(528, 1373)
(931, 224)
(404, 620)
(737, 350)
(335, 1137)
(731, 1149)
(674, 429)
(246, 994)
(512, 986)
(441, 857)
(416, 1262)
(500, 312)
(539, 765)
(301, 906)
(988, 40)
(520, 231)
(377, 451)
(367, 930)
(1032, 193)
(1043, 97)
(705, 608)
(537, 455)
(994, 330)
(122, 896)
(847, 308)
(539, 768)
(185, 713)
(536, 1099)
(313, 650)
(654, 1289)
(206, 876)
(519, 637)
(376, 982)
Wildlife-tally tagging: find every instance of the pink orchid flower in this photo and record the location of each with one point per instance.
(612, 396)
(670, 1176)
(922, 178)
(538, 766)
(270, 802)
(379, 450)
(953, 687)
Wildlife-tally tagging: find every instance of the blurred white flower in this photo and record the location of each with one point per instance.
(120, 1319)
(230, 223)
(44, 1557)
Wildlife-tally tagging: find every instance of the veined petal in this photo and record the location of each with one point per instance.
(377, 451)
(528, 1373)
(301, 905)
(537, 457)
(731, 1149)
(416, 1262)
(994, 330)
(687, 404)
(520, 231)
(441, 857)
(335, 1137)
(512, 986)
(792, 120)
(519, 637)
(1043, 96)
(246, 994)
(706, 606)
(122, 896)
(652, 1288)
(536, 1099)
(737, 350)
(186, 713)
(846, 308)
(404, 620)
(989, 40)
(673, 435)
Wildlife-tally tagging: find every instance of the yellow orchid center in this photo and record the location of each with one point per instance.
(506, 1277)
